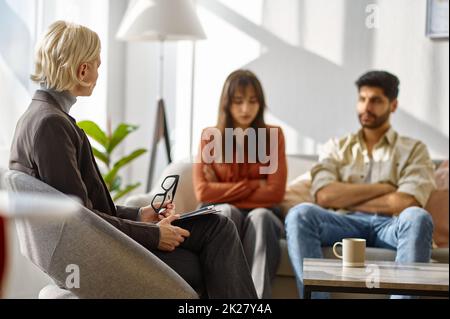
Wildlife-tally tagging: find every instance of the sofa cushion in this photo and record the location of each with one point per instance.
(297, 192)
(285, 266)
(298, 182)
(438, 206)
(441, 176)
(440, 255)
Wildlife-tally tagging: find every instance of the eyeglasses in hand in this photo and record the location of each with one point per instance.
(169, 185)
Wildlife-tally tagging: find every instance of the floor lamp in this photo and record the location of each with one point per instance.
(160, 20)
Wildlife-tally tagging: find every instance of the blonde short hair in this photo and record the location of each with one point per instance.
(63, 49)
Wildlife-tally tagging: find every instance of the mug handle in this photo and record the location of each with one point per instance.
(334, 249)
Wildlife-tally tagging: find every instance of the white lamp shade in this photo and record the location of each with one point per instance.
(150, 20)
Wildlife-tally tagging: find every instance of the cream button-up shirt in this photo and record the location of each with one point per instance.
(398, 160)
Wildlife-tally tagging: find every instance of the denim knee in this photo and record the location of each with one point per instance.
(417, 218)
(300, 213)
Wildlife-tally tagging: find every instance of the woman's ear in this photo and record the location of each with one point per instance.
(82, 71)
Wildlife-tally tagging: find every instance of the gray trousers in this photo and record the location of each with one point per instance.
(212, 259)
(260, 231)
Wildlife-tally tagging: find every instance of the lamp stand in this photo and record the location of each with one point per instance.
(191, 113)
(161, 132)
(161, 129)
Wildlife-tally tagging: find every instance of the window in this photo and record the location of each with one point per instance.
(17, 38)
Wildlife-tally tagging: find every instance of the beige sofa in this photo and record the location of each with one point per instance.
(284, 285)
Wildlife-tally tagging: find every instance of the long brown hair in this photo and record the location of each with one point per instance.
(240, 79)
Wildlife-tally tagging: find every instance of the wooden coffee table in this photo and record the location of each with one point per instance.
(377, 277)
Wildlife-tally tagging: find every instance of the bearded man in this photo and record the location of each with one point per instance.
(372, 185)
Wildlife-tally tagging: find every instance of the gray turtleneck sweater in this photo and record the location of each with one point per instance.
(64, 98)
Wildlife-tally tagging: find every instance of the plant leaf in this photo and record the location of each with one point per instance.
(125, 191)
(122, 162)
(119, 134)
(94, 131)
(101, 156)
(116, 184)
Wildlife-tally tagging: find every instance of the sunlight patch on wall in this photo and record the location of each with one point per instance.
(226, 49)
(323, 28)
(14, 100)
(249, 9)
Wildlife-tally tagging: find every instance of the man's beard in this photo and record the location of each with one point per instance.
(378, 120)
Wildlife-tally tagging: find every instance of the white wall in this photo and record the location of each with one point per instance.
(314, 51)
(17, 24)
(422, 66)
(307, 54)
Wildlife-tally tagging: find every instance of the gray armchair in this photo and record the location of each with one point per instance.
(111, 264)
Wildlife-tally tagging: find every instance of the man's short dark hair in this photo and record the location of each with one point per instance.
(386, 81)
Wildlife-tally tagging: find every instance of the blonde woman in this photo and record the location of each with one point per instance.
(50, 146)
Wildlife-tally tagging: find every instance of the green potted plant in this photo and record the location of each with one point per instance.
(109, 141)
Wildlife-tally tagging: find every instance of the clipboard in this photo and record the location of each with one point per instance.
(199, 212)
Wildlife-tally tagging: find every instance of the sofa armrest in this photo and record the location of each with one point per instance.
(185, 199)
(438, 207)
(140, 200)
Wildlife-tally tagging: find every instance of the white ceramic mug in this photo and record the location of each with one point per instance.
(353, 252)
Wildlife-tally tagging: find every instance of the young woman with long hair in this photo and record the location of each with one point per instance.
(237, 182)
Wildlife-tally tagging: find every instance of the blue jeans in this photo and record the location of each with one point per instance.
(309, 227)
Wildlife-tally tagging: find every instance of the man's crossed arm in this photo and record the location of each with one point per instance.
(370, 198)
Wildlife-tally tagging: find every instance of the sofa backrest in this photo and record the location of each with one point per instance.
(110, 264)
(299, 164)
